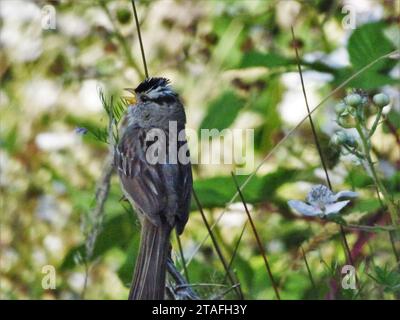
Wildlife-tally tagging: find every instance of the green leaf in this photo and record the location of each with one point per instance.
(367, 205)
(368, 80)
(218, 191)
(222, 111)
(125, 272)
(393, 118)
(266, 104)
(268, 60)
(368, 43)
(358, 178)
(390, 279)
(117, 232)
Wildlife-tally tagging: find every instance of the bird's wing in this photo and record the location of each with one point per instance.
(141, 181)
(186, 183)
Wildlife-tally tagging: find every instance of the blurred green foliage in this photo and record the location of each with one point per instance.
(233, 63)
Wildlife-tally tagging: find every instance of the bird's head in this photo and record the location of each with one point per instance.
(155, 90)
(154, 103)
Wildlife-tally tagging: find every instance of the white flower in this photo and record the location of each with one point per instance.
(321, 202)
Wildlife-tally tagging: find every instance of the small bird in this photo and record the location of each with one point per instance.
(160, 191)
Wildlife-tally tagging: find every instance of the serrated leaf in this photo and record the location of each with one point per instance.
(368, 43)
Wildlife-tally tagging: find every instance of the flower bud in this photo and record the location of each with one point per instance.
(353, 99)
(343, 138)
(338, 138)
(340, 108)
(381, 100)
(346, 121)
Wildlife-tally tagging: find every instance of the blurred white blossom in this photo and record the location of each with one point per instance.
(53, 141)
(321, 202)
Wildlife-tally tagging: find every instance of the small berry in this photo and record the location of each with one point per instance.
(381, 100)
(353, 99)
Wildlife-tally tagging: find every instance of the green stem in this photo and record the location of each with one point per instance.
(376, 122)
(354, 152)
(381, 187)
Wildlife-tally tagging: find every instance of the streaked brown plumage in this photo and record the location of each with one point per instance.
(159, 192)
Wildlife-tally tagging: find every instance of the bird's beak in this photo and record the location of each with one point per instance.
(131, 99)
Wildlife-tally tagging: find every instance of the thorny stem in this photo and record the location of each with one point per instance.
(393, 235)
(376, 122)
(367, 153)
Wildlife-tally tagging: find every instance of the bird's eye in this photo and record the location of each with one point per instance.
(144, 98)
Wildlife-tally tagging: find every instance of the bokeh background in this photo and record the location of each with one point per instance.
(233, 64)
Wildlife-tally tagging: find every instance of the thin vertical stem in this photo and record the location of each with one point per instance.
(216, 245)
(377, 181)
(317, 143)
(146, 72)
(185, 270)
(308, 269)
(393, 243)
(235, 250)
(259, 243)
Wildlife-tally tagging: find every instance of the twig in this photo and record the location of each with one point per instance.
(182, 290)
(259, 243)
(393, 244)
(235, 250)
(219, 296)
(216, 246)
(314, 132)
(185, 270)
(308, 269)
(375, 228)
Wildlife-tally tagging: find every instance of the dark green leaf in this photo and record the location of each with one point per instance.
(125, 272)
(269, 60)
(117, 232)
(217, 191)
(222, 111)
(367, 43)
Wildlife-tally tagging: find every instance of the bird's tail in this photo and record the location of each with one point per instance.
(151, 265)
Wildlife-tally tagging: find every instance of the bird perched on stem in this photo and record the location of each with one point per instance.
(152, 159)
